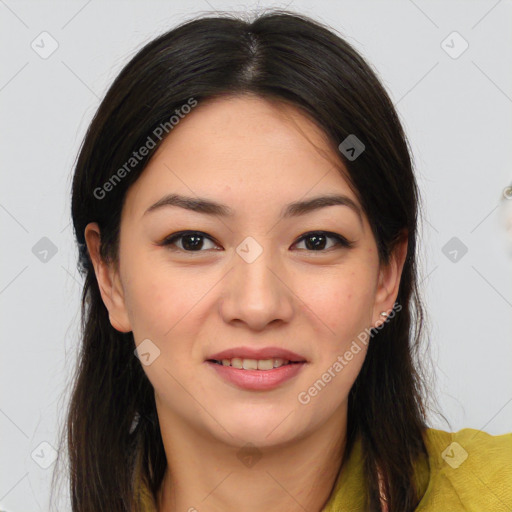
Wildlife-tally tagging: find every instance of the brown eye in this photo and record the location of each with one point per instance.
(317, 241)
(191, 241)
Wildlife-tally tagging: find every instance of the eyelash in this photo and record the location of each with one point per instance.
(342, 242)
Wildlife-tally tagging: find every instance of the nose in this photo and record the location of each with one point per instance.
(257, 292)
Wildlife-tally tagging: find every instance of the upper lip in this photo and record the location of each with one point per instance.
(258, 353)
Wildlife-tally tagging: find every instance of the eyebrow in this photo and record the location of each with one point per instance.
(295, 209)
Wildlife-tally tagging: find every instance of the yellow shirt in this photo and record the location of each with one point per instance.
(470, 471)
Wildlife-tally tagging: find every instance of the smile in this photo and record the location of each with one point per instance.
(249, 376)
(254, 364)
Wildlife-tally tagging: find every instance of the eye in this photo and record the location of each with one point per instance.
(194, 241)
(316, 240)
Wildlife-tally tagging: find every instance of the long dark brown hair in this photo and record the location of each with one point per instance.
(112, 420)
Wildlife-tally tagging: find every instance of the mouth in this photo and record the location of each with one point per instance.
(254, 364)
(250, 358)
(256, 374)
(257, 369)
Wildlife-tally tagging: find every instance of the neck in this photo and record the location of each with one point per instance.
(205, 475)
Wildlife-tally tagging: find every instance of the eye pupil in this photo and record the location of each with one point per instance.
(318, 241)
(197, 242)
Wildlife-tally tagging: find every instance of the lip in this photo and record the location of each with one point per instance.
(257, 380)
(257, 353)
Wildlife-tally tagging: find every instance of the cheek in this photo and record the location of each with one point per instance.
(342, 308)
(341, 303)
(158, 297)
(161, 304)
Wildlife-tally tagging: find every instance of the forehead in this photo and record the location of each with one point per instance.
(240, 150)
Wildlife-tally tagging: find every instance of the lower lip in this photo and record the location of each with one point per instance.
(257, 380)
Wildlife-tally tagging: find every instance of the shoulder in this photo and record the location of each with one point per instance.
(470, 470)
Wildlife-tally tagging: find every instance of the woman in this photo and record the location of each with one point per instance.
(246, 211)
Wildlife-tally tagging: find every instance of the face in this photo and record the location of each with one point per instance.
(267, 282)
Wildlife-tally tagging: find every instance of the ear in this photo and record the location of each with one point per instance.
(389, 280)
(109, 283)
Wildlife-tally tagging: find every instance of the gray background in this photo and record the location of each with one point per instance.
(456, 110)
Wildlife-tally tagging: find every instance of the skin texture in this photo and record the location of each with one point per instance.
(254, 156)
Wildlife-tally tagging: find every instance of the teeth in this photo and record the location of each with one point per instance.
(254, 364)
(250, 364)
(236, 362)
(265, 364)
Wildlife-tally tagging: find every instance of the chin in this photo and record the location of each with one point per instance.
(260, 439)
(263, 430)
